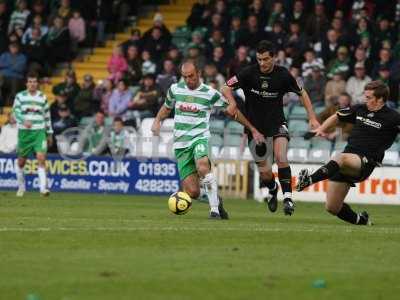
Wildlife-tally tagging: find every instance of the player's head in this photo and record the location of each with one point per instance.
(32, 81)
(190, 74)
(265, 55)
(375, 93)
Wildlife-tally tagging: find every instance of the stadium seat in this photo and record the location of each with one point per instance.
(339, 145)
(321, 143)
(215, 152)
(108, 121)
(86, 120)
(235, 128)
(168, 125)
(145, 127)
(391, 158)
(234, 140)
(247, 154)
(297, 155)
(318, 155)
(298, 113)
(298, 127)
(167, 137)
(216, 140)
(217, 126)
(229, 152)
(165, 150)
(299, 142)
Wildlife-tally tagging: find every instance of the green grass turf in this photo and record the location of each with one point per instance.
(81, 246)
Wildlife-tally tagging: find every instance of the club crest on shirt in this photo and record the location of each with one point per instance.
(189, 99)
(264, 85)
(370, 115)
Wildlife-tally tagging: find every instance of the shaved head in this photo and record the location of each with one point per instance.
(190, 74)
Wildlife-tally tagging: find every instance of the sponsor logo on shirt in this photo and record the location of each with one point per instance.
(189, 108)
(369, 122)
(265, 94)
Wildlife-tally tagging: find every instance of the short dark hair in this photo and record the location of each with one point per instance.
(32, 74)
(379, 88)
(118, 119)
(266, 46)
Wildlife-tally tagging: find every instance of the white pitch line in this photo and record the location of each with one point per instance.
(373, 230)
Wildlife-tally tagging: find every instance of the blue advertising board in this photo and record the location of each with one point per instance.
(99, 174)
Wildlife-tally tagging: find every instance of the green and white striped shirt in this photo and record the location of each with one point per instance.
(192, 112)
(33, 108)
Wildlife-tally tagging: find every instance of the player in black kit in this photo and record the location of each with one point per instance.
(264, 84)
(375, 129)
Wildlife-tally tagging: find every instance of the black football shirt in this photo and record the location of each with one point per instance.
(373, 132)
(264, 93)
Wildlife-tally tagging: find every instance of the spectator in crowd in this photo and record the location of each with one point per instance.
(296, 38)
(361, 31)
(95, 135)
(70, 87)
(198, 40)
(102, 94)
(120, 100)
(340, 64)
(65, 10)
(38, 9)
(257, 9)
(166, 77)
(77, 30)
(315, 84)
(117, 65)
(148, 65)
(283, 60)
(290, 99)
(219, 59)
(85, 103)
(329, 46)
(199, 14)
(118, 140)
(61, 101)
(158, 22)
(384, 32)
(19, 16)
(8, 135)
(277, 35)
(235, 31)
(342, 131)
(310, 62)
(36, 52)
(134, 72)
(277, 15)
(360, 56)
(211, 74)
(37, 23)
(63, 121)
(298, 15)
(385, 59)
(355, 85)
(384, 75)
(240, 61)
(12, 68)
(156, 44)
(58, 43)
(215, 40)
(317, 24)
(194, 53)
(252, 34)
(334, 87)
(217, 23)
(4, 20)
(134, 40)
(145, 104)
(174, 55)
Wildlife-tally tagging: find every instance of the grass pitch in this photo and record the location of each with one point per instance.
(81, 246)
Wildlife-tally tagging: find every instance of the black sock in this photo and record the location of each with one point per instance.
(347, 214)
(285, 179)
(325, 172)
(270, 184)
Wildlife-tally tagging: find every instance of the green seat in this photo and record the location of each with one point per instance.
(108, 121)
(86, 120)
(217, 126)
(298, 127)
(298, 113)
(299, 142)
(216, 140)
(340, 145)
(235, 128)
(233, 140)
(320, 143)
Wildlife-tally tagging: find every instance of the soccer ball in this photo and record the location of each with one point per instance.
(179, 203)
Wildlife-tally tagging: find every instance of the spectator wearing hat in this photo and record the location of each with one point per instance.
(340, 64)
(120, 99)
(334, 87)
(64, 120)
(102, 94)
(355, 84)
(145, 104)
(19, 16)
(117, 64)
(166, 77)
(85, 103)
(12, 68)
(8, 135)
(315, 84)
(134, 72)
(70, 87)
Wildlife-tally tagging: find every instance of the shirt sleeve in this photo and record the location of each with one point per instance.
(219, 100)
(348, 114)
(170, 99)
(292, 85)
(18, 115)
(237, 81)
(47, 117)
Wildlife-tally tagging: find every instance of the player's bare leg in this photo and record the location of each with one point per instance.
(41, 157)
(21, 176)
(209, 182)
(337, 192)
(284, 173)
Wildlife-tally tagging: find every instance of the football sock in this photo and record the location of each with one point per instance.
(42, 178)
(325, 172)
(211, 187)
(20, 177)
(348, 215)
(285, 179)
(270, 184)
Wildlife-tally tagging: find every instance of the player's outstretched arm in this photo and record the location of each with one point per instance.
(232, 107)
(306, 101)
(162, 114)
(328, 123)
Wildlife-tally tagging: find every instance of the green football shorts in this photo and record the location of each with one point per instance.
(31, 142)
(187, 157)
